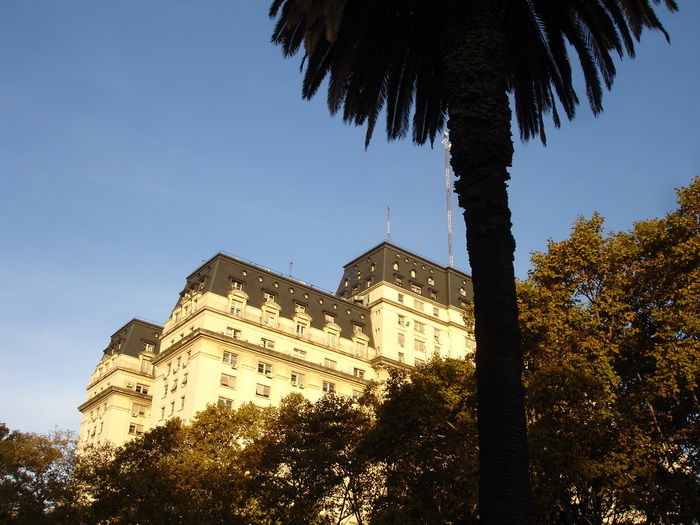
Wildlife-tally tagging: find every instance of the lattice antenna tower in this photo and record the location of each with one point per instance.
(388, 224)
(448, 192)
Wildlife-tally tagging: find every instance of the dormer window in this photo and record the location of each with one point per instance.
(236, 285)
(269, 297)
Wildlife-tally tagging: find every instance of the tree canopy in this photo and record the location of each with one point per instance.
(35, 476)
(611, 328)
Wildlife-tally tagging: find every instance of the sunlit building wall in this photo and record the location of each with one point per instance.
(240, 333)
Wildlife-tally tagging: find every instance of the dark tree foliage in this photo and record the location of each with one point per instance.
(423, 444)
(611, 327)
(35, 475)
(427, 64)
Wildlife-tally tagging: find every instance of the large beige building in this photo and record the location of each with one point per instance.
(240, 333)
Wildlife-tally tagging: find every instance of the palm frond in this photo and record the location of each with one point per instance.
(385, 55)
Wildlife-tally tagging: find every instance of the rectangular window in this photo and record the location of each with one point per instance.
(418, 305)
(358, 372)
(402, 320)
(228, 403)
(262, 391)
(143, 389)
(149, 347)
(298, 379)
(264, 368)
(135, 430)
(402, 339)
(436, 336)
(301, 354)
(162, 412)
(329, 363)
(419, 327)
(172, 407)
(419, 346)
(419, 362)
(301, 330)
(401, 298)
(138, 410)
(231, 359)
(227, 380)
(433, 295)
(416, 288)
(165, 389)
(270, 318)
(236, 308)
(332, 339)
(328, 387)
(402, 357)
(233, 332)
(356, 394)
(184, 380)
(174, 387)
(436, 312)
(182, 402)
(398, 280)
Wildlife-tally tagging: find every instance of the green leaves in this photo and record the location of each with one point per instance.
(35, 474)
(611, 333)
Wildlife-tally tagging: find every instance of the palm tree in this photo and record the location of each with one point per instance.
(456, 62)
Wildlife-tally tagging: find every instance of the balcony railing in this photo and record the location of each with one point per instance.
(308, 335)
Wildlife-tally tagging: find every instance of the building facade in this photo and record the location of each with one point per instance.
(240, 333)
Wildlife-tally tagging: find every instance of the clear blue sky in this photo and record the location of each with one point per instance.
(138, 138)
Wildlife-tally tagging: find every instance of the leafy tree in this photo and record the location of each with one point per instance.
(459, 61)
(611, 328)
(175, 473)
(131, 483)
(306, 468)
(35, 471)
(424, 445)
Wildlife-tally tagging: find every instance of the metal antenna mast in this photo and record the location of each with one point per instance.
(448, 191)
(388, 224)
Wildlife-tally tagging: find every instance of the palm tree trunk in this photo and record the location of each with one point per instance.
(482, 150)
